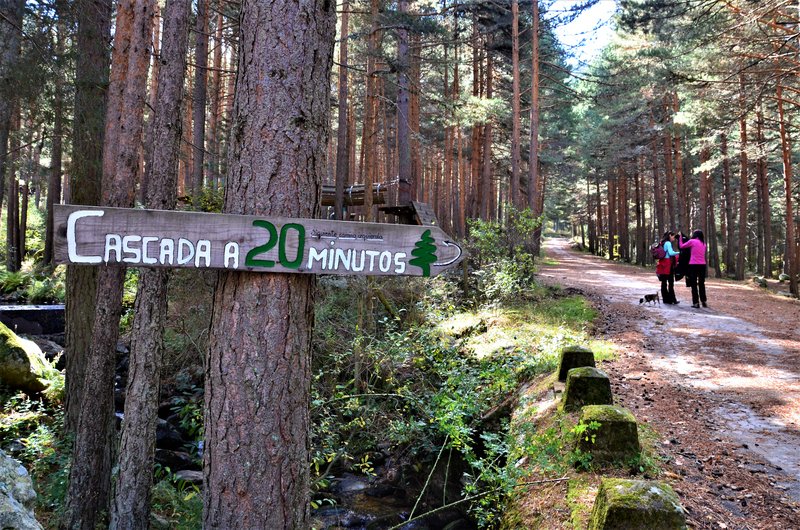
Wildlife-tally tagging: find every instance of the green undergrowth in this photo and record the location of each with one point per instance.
(33, 285)
(30, 429)
(433, 381)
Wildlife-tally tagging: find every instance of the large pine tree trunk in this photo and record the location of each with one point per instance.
(599, 207)
(703, 195)
(131, 506)
(215, 101)
(729, 207)
(486, 174)
(669, 174)
(404, 165)
(23, 222)
(624, 218)
(669, 181)
(535, 185)
(766, 209)
(54, 178)
(90, 474)
(790, 267)
(370, 128)
(11, 12)
(612, 217)
(658, 193)
(641, 247)
(199, 98)
(415, 72)
(743, 185)
(343, 139)
(456, 190)
(515, 116)
(681, 184)
(91, 76)
(12, 210)
(590, 217)
(258, 371)
(475, 146)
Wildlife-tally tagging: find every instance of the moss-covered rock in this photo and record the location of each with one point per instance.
(586, 386)
(636, 505)
(614, 436)
(22, 364)
(574, 357)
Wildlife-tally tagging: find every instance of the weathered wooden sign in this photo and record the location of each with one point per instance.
(86, 235)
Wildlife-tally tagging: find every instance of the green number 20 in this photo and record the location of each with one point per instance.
(251, 261)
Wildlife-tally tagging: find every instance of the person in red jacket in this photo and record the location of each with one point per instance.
(665, 269)
(697, 266)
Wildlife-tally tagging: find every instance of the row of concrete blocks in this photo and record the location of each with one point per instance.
(620, 503)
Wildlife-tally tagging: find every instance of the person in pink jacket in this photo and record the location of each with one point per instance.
(697, 266)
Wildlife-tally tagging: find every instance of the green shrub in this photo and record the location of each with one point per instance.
(491, 241)
(501, 255)
(209, 200)
(14, 281)
(48, 290)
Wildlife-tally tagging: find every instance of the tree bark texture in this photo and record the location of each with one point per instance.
(342, 138)
(475, 146)
(415, 74)
(766, 209)
(790, 267)
(215, 113)
(515, 113)
(258, 367)
(641, 245)
(404, 165)
(90, 474)
(729, 207)
(681, 185)
(669, 182)
(54, 178)
(743, 185)
(533, 157)
(370, 129)
(199, 98)
(11, 12)
(486, 175)
(131, 506)
(611, 185)
(658, 188)
(12, 217)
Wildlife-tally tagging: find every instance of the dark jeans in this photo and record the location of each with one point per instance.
(667, 288)
(697, 281)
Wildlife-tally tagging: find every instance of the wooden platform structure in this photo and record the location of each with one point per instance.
(415, 213)
(353, 195)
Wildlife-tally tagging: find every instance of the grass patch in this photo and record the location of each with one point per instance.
(537, 328)
(178, 505)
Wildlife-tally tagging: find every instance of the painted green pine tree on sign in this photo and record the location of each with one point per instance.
(424, 253)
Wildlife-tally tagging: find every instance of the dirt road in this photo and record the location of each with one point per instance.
(720, 386)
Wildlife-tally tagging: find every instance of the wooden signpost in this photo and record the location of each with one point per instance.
(87, 235)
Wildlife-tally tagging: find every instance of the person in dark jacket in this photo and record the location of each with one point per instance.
(665, 269)
(682, 267)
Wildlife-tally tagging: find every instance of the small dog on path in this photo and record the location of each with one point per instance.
(650, 299)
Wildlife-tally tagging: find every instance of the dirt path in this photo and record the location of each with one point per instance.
(720, 386)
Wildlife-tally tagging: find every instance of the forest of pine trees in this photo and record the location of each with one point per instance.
(685, 120)
(690, 107)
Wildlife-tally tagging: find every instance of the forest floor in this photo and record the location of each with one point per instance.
(719, 385)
